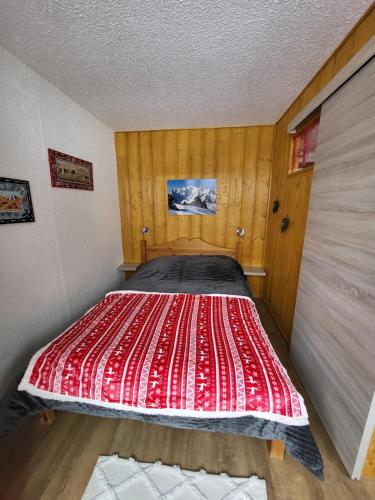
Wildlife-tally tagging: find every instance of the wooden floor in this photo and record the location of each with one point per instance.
(55, 462)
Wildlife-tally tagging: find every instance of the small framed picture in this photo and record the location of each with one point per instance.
(70, 172)
(15, 201)
(191, 196)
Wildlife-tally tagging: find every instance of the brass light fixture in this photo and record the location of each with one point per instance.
(240, 231)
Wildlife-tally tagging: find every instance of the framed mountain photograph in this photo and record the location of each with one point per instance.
(15, 201)
(191, 196)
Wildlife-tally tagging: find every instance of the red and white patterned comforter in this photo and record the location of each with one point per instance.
(172, 354)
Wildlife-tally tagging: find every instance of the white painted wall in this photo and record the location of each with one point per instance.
(53, 269)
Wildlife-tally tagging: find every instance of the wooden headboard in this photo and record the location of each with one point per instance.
(184, 246)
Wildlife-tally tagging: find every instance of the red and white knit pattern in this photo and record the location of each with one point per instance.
(173, 354)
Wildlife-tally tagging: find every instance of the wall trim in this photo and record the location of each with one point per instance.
(365, 441)
(355, 63)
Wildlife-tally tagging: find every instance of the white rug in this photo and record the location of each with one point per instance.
(120, 478)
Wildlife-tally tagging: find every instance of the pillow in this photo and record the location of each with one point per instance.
(197, 274)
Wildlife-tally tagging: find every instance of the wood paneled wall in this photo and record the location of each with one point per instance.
(284, 250)
(239, 158)
(369, 467)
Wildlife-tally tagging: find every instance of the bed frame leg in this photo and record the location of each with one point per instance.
(277, 449)
(47, 417)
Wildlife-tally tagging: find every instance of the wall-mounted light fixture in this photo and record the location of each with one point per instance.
(145, 230)
(240, 231)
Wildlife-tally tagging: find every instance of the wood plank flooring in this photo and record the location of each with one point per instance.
(55, 462)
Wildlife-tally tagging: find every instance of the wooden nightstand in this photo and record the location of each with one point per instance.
(254, 271)
(128, 267)
(254, 277)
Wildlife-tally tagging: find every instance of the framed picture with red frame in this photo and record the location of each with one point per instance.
(303, 145)
(70, 172)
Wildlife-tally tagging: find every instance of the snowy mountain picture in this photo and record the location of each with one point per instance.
(192, 197)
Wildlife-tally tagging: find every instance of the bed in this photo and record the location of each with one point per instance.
(181, 344)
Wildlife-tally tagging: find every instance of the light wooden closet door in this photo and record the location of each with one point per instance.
(333, 340)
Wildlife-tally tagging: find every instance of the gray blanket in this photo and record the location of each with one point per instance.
(198, 274)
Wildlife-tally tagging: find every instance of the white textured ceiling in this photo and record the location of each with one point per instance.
(156, 64)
